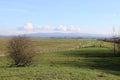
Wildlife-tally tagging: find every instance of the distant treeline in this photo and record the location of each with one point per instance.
(113, 40)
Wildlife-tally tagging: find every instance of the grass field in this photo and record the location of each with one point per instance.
(64, 59)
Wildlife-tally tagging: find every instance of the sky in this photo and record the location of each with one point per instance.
(74, 16)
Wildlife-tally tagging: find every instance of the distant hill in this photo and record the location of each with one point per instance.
(63, 35)
(68, 35)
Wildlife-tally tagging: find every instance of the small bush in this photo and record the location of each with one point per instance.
(21, 51)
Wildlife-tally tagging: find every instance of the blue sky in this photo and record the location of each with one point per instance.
(84, 16)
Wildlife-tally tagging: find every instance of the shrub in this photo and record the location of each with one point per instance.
(21, 51)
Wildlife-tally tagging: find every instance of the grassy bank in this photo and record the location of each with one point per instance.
(65, 59)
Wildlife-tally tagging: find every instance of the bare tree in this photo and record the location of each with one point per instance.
(116, 41)
(114, 46)
(21, 51)
(118, 44)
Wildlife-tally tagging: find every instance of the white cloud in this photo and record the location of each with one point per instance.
(33, 28)
(74, 29)
(61, 28)
(28, 26)
(44, 28)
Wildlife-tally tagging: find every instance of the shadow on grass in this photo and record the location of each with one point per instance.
(92, 52)
(102, 59)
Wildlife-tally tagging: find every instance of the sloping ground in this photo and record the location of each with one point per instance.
(65, 59)
(80, 64)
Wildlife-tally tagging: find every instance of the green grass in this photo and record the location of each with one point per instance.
(62, 59)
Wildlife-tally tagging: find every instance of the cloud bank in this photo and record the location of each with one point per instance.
(28, 26)
(39, 28)
(33, 28)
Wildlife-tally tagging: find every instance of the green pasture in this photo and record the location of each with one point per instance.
(64, 59)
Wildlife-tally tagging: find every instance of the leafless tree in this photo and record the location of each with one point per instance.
(114, 46)
(21, 51)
